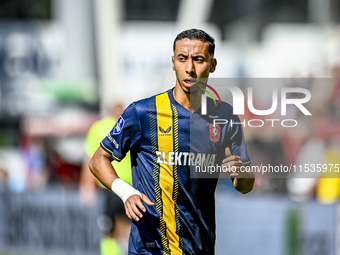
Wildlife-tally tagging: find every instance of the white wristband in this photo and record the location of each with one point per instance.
(124, 190)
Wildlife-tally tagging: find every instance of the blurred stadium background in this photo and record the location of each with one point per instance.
(63, 63)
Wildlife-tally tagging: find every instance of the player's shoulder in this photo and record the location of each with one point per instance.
(144, 105)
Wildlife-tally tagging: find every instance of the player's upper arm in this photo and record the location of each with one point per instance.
(124, 135)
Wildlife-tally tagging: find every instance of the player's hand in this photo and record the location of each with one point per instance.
(232, 163)
(134, 206)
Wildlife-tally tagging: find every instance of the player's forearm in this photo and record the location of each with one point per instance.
(101, 168)
(244, 184)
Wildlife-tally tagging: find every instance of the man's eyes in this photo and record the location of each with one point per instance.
(199, 60)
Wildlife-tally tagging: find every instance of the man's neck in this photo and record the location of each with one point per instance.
(188, 100)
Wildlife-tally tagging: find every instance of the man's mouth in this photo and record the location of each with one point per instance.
(189, 82)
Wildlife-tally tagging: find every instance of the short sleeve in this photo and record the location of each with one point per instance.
(124, 135)
(236, 140)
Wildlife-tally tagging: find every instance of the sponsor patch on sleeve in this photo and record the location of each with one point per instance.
(119, 126)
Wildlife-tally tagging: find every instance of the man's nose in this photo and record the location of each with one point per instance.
(190, 68)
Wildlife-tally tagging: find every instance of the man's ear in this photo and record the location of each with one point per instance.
(173, 63)
(213, 65)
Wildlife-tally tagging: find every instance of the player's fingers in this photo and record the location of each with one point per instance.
(135, 212)
(147, 200)
(231, 158)
(130, 213)
(140, 205)
(238, 175)
(234, 174)
(130, 207)
(127, 212)
(133, 215)
(227, 152)
(233, 169)
(232, 164)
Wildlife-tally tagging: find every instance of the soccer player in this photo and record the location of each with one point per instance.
(172, 212)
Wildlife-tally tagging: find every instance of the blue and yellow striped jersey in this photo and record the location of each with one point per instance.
(166, 141)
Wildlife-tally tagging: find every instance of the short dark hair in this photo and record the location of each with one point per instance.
(198, 35)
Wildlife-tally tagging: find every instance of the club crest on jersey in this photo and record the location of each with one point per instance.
(119, 126)
(214, 132)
